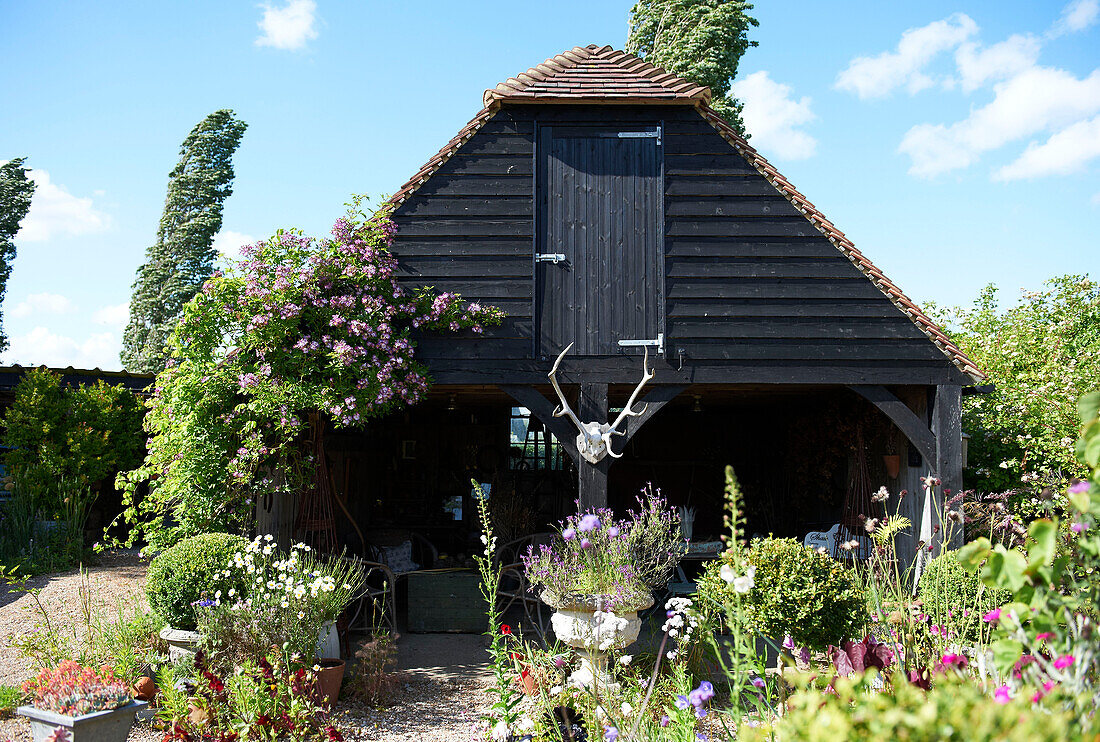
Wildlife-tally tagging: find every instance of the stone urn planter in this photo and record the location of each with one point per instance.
(580, 622)
(101, 726)
(328, 640)
(181, 643)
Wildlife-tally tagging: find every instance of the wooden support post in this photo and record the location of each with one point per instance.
(592, 478)
(947, 427)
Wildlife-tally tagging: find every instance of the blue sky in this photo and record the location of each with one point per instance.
(957, 143)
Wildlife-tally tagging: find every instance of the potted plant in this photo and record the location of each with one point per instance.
(89, 705)
(187, 576)
(599, 573)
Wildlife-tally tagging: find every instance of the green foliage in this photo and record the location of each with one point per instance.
(1041, 355)
(84, 433)
(803, 594)
(189, 572)
(303, 332)
(699, 40)
(10, 699)
(182, 258)
(954, 710)
(957, 599)
(16, 190)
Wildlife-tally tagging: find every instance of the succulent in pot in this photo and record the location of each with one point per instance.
(88, 704)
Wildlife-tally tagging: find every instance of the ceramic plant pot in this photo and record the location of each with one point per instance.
(578, 622)
(102, 726)
(329, 679)
(181, 643)
(892, 462)
(328, 641)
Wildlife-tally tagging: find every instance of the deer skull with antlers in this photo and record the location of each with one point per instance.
(594, 439)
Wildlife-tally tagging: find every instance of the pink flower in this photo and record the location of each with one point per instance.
(993, 616)
(1063, 662)
(1001, 695)
(1078, 487)
(1043, 636)
(1078, 527)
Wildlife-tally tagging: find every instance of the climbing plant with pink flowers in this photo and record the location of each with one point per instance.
(300, 325)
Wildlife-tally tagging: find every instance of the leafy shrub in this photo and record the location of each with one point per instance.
(956, 599)
(189, 572)
(954, 710)
(803, 594)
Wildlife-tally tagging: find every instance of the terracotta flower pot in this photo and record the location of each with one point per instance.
(145, 689)
(526, 680)
(329, 679)
(892, 461)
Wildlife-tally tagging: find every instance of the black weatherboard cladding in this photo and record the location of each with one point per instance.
(753, 293)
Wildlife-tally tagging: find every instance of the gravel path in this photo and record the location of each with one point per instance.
(441, 702)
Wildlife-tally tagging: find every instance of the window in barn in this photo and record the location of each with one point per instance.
(532, 446)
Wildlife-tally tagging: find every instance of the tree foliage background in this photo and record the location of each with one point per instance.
(1041, 355)
(16, 190)
(699, 40)
(182, 258)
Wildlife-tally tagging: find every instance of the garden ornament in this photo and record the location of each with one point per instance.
(594, 439)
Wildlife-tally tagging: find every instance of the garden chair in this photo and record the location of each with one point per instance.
(513, 587)
(401, 551)
(376, 604)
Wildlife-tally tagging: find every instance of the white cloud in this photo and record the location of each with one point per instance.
(874, 77)
(1039, 99)
(288, 27)
(42, 347)
(978, 66)
(1077, 16)
(771, 117)
(55, 211)
(1067, 151)
(42, 304)
(229, 243)
(112, 316)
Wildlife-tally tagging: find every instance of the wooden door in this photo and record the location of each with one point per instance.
(598, 271)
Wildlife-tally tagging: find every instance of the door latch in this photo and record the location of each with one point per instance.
(550, 257)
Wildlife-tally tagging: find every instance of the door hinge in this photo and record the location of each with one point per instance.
(642, 135)
(549, 257)
(659, 342)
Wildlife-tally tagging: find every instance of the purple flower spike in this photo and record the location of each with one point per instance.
(588, 523)
(586, 544)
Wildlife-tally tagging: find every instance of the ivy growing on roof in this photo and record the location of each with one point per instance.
(301, 325)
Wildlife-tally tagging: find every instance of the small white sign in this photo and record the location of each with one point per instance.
(822, 539)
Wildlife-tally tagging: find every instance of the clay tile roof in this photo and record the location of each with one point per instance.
(596, 73)
(842, 243)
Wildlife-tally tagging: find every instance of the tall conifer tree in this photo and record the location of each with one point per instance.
(16, 190)
(698, 40)
(182, 258)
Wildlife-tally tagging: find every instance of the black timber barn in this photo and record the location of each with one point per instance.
(602, 204)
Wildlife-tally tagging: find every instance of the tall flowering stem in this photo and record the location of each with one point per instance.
(503, 712)
(300, 325)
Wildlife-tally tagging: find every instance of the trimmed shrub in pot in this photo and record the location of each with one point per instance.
(803, 594)
(189, 572)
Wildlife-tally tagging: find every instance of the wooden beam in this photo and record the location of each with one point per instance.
(592, 478)
(543, 409)
(947, 426)
(907, 421)
(657, 398)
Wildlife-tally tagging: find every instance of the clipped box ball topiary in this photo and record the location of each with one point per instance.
(188, 572)
(803, 594)
(956, 600)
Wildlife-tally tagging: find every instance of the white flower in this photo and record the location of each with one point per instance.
(626, 659)
(500, 731)
(626, 708)
(727, 573)
(556, 690)
(525, 724)
(268, 537)
(745, 583)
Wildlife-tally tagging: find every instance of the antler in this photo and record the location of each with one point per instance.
(627, 411)
(563, 409)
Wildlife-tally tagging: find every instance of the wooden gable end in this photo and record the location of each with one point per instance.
(752, 291)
